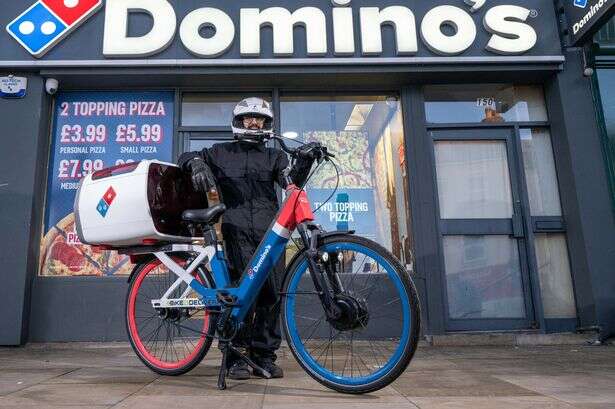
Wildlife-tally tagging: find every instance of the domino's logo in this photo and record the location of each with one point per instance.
(580, 3)
(105, 203)
(47, 22)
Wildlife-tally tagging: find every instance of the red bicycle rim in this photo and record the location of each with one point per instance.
(145, 353)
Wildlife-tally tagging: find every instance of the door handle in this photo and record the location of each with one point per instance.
(517, 221)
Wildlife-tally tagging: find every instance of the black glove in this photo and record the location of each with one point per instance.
(202, 178)
(312, 150)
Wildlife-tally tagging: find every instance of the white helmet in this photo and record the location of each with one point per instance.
(252, 107)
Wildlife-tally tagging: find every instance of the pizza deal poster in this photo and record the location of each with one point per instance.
(352, 205)
(92, 131)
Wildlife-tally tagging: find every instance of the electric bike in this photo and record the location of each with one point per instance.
(349, 309)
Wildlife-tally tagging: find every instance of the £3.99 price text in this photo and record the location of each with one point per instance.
(76, 134)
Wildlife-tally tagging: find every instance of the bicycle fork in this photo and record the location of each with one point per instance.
(327, 283)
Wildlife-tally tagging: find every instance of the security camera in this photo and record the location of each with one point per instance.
(52, 85)
(588, 71)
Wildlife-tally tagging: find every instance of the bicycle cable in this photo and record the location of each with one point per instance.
(302, 188)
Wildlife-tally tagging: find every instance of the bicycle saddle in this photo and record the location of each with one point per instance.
(211, 215)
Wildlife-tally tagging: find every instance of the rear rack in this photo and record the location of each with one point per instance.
(164, 248)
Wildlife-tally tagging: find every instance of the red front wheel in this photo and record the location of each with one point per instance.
(170, 341)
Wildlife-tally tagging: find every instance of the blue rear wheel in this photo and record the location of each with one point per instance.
(374, 339)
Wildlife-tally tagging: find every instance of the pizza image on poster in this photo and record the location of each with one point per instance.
(93, 131)
(63, 255)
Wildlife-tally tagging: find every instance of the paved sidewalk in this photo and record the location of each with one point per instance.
(109, 375)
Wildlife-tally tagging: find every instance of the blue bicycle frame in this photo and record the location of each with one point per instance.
(295, 211)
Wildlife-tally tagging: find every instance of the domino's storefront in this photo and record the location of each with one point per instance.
(465, 132)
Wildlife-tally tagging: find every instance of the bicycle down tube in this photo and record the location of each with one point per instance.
(295, 210)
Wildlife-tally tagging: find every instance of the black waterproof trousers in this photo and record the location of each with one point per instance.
(246, 175)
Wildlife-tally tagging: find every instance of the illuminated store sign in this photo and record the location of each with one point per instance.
(585, 17)
(340, 28)
(507, 24)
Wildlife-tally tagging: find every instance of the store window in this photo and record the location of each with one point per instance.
(473, 180)
(539, 166)
(606, 81)
(206, 118)
(484, 103)
(554, 273)
(483, 277)
(366, 134)
(606, 35)
(211, 110)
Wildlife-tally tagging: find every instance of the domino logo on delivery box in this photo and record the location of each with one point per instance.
(47, 22)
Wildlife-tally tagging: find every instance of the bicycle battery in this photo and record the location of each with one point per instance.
(135, 204)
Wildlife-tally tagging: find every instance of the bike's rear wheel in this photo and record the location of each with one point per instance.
(169, 341)
(375, 341)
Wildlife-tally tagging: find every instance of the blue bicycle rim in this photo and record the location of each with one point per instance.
(307, 358)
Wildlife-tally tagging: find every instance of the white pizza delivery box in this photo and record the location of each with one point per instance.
(135, 204)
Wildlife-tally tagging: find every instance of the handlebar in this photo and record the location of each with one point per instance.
(293, 152)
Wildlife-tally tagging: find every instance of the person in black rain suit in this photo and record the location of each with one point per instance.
(245, 171)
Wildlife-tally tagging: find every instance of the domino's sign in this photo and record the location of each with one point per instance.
(331, 28)
(585, 17)
(47, 22)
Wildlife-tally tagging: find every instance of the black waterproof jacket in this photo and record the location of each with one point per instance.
(245, 174)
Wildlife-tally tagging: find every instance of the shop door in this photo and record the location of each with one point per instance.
(481, 223)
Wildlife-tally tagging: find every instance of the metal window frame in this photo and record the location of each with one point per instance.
(435, 283)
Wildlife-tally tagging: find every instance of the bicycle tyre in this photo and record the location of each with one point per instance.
(411, 320)
(140, 346)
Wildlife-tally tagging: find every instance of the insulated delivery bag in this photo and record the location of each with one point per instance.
(135, 204)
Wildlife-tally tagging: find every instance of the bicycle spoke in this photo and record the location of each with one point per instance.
(166, 336)
(365, 345)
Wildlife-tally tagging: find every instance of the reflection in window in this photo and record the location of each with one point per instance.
(555, 278)
(210, 109)
(606, 79)
(366, 135)
(485, 103)
(200, 144)
(606, 35)
(473, 180)
(540, 175)
(483, 277)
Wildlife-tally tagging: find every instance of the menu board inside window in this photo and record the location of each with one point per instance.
(92, 131)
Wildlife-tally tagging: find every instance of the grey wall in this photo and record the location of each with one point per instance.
(23, 131)
(585, 194)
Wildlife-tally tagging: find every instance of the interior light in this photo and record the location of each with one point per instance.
(358, 116)
(290, 135)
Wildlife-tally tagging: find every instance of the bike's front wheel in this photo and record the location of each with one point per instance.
(375, 337)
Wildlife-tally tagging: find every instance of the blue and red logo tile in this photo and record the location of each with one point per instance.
(106, 201)
(47, 22)
(580, 3)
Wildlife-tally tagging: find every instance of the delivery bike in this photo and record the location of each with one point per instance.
(350, 311)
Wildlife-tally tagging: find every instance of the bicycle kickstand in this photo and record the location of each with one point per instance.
(223, 366)
(227, 349)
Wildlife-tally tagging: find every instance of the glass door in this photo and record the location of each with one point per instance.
(482, 226)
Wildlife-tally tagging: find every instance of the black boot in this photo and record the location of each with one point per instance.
(238, 370)
(269, 365)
